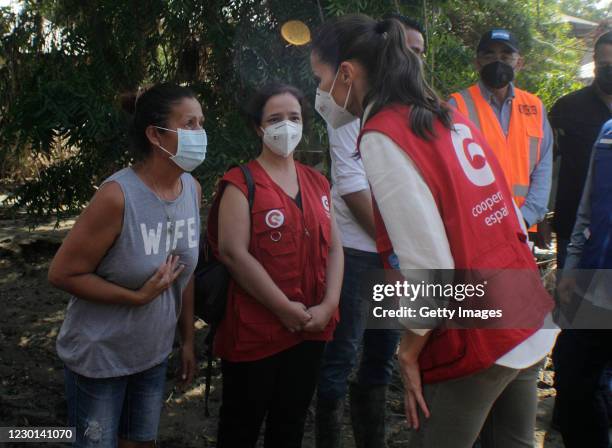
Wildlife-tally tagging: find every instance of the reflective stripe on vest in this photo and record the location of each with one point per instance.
(534, 150)
(467, 107)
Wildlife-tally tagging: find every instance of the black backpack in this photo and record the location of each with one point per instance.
(211, 281)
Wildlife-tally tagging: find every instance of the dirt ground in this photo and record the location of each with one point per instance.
(31, 375)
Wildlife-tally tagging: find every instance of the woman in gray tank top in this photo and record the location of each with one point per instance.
(128, 263)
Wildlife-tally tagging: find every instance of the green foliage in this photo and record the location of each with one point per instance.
(64, 64)
(551, 57)
(585, 9)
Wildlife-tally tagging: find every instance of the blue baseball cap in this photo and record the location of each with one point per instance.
(498, 35)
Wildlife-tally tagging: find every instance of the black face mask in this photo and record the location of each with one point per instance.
(497, 75)
(603, 77)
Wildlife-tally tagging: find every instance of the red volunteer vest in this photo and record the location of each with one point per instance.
(483, 231)
(292, 246)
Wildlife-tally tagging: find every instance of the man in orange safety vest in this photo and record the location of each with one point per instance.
(514, 123)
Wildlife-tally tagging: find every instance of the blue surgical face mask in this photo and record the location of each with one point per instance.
(191, 148)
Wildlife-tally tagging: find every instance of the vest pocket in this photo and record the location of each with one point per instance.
(277, 242)
(324, 240)
(324, 245)
(274, 243)
(325, 229)
(256, 324)
(278, 253)
(251, 311)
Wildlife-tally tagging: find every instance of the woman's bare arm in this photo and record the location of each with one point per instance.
(246, 270)
(94, 232)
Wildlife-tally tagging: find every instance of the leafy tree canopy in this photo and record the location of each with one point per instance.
(64, 64)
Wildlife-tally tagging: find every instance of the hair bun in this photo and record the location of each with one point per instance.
(381, 26)
(128, 102)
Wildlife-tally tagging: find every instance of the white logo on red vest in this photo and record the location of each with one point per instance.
(480, 176)
(275, 218)
(325, 202)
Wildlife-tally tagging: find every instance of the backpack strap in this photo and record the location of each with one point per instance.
(248, 177)
(209, 366)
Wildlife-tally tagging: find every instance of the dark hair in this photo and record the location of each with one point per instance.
(394, 72)
(152, 107)
(605, 38)
(256, 104)
(409, 23)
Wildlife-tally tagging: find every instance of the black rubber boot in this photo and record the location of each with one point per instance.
(328, 423)
(368, 415)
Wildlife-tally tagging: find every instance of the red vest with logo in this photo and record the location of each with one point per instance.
(484, 235)
(292, 245)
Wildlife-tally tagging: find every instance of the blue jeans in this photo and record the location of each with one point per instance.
(103, 409)
(341, 353)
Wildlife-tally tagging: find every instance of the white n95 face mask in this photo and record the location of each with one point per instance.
(334, 115)
(191, 148)
(282, 138)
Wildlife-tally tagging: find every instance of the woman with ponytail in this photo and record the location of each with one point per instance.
(128, 264)
(428, 166)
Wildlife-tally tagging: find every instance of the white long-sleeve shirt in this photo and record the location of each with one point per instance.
(417, 232)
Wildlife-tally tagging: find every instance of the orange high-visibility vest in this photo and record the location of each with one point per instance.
(519, 151)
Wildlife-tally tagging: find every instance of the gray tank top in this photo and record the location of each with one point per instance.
(101, 341)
